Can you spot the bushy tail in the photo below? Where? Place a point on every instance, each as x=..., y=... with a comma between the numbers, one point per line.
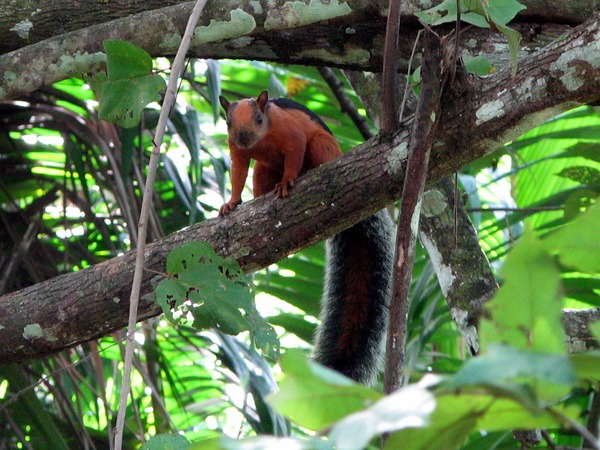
x=354, y=309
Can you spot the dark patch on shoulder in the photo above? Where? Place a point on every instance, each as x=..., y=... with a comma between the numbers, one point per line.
x=286, y=103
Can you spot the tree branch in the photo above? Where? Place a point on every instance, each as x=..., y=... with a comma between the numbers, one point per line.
x=73, y=308
x=353, y=31
x=422, y=138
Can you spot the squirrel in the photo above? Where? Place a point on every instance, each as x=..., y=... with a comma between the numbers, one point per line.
x=286, y=139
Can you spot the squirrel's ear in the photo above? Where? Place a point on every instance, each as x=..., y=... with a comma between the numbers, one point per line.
x=262, y=100
x=224, y=103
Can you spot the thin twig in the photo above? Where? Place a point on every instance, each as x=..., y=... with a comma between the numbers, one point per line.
x=408, y=73
x=346, y=103
x=391, y=63
x=590, y=439
x=168, y=102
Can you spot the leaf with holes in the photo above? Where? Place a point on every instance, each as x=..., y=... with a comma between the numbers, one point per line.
x=215, y=292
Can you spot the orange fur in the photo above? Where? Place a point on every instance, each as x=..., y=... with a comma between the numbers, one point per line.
x=284, y=142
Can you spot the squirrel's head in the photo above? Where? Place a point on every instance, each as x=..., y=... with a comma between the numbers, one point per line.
x=247, y=120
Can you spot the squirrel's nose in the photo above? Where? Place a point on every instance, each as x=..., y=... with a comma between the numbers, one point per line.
x=244, y=138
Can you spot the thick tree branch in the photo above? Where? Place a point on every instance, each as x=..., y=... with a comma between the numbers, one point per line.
x=25, y=23
x=343, y=34
x=77, y=307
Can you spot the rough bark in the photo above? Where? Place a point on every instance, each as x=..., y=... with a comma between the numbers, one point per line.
x=343, y=34
x=24, y=23
x=463, y=271
x=77, y=307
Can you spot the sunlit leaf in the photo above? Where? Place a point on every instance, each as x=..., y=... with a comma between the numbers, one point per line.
x=409, y=407
x=216, y=293
x=315, y=397
x=167, y=442
x=577, y=243
x=526, y=311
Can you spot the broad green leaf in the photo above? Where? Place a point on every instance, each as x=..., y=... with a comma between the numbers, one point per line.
x=408, y=407
x=269, y=442
x=211, y=443
x=479, y=65
x=475, y=12
x=458, y=415
x=213, y=312
x=315, y=397
x=129, y=84
x=122, y=101
x=482, y=14
x=216, y=292
x=579, y=200
x=125, y=60
x=167, y=442
x=445, y=12
x=501, y=11
x=589, y=150
x=577, y=243
x=587, y=364
x=526, y=311
x=505, y=370
x=170, y=293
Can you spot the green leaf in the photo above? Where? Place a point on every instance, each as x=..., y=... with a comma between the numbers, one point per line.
x=475, y=12
x=526, y=311
x=167, y=442
x=514, y=39
x=216, y=292
x=126, y=60
x=595, y=329
x=213, y=312
x=581, y=174
x=211, y=443
x=579, y=201
x=577, y=243
x=445, y=12
x=505, y=370
x=481, y=14
x=588, y=150
x=458, y=415
x=269, y=442
x=129, y=84
x=479, y=65
x=408, y=407
x=500, y=12
x=122, y=101
x=587, y=364
x=213, y=81
x=315, y=397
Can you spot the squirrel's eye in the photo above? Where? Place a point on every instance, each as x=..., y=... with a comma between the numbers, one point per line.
x=259, y=119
